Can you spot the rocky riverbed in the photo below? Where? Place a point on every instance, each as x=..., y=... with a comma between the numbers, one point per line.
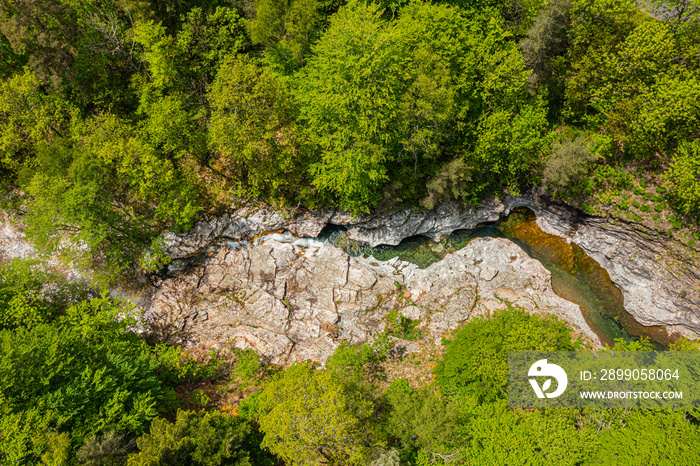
x=290, y=302
x=299, y=301
x=659, y=278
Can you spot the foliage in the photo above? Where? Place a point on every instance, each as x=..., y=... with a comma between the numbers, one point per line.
x=31, y=294
x=450, y=182
x=109, y=188
x=121, y=120
x=496, y=434
x=398, y=95
x=355, y=365
x=179, y=368
x=180, y=70
x=640, y=440
x=204, y=438
x=401, y=326
x=28, y=117
x=574, y=159
x=420, y=419
x=307, y=415
x=476, y=362
x=682, y=178
x=286, y=29
x=81, y=375
x=110, y=449
x=248, y=367
x=253, y=134
x=544, y=49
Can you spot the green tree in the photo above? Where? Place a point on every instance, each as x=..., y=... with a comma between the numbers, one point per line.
x=83, y=374
x=389, y=99
x=308, y=416
x=348, y=93
x=494, y=434
x=421, y=420
x=409, y=92
x=476, y=361
x=286, y=28
x=597, y=28
x=10, y=62
x=28, y=116
x=179, y=71
x=110, y=188
x=79, y=47
x=637, y=440
x=254, y=138
x=31, y=294
x=204, y=438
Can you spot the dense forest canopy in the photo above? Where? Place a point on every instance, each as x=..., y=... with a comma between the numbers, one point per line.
x=123, y=119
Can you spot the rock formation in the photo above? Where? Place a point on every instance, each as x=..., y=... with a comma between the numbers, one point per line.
x=294, y=303
x=659, y=280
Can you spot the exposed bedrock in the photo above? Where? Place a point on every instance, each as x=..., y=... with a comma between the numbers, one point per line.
x=294, y=303
x=659, y=278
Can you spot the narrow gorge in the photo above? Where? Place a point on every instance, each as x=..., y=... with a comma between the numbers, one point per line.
x=294, y=286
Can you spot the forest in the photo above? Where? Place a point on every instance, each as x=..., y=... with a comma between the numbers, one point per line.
x=124, y=119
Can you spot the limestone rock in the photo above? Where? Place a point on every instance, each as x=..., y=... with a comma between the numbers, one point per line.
x=244, y=223
x=292, y=303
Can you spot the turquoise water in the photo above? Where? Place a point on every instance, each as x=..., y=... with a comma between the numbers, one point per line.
x=575, y=276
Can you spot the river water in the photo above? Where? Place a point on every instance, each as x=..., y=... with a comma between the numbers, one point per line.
x=575, y=276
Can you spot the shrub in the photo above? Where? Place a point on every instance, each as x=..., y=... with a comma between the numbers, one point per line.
x=683, y=178
x=572, y=159
x=675, y=222
x=645, y=208
x=403, y=327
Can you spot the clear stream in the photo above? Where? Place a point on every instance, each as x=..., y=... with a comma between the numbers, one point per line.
x=575, y=276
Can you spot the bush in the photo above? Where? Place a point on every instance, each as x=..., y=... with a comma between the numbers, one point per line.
x=645, y=208
x=476, y=361
x=571, y=160
x=110, y=449
x=452, y=181
x=675, y=222
x=403, y=327
x=683, y=179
